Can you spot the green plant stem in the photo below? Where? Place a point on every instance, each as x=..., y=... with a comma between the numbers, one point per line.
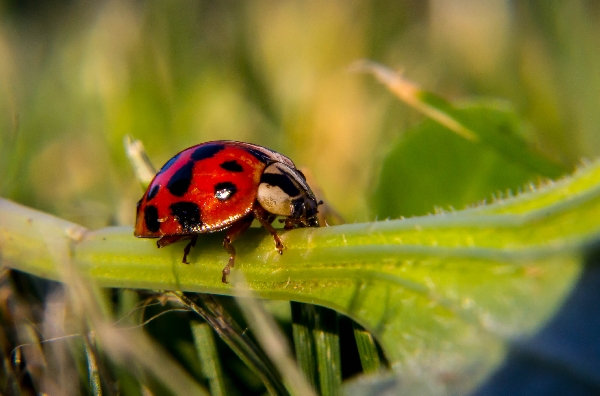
x=471, y=278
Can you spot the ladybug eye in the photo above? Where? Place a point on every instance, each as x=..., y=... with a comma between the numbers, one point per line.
x=298, y=208
x=224, y=191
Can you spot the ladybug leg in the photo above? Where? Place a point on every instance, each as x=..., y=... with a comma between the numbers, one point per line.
x=263, y=217
x=188, y=247
x=289, y=225
x=166, y=240
x=233, y=233
x=169, y=239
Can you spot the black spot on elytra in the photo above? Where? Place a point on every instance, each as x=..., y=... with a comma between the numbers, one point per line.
x=188, y=215
x=206, y=151
x=224, y=191
x=281, y=181
x=152, y=193
x=262, y=157
x=151, y=218
x=168, y=164
x=232, y=166
x=180, y=181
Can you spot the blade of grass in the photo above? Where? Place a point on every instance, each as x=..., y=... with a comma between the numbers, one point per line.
x=209, y=358
x=89, y=303
x=439, y=109
x=92, y=364
x=140, y=163
x=367, y=349
x=304, y=344
x=234, y=336
x=137, y=347
x=327, y=346
x=271, y=339
x=410, y=93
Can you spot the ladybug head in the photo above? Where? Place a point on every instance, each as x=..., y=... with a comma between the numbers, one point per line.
x=283, y=191
x=304, y=211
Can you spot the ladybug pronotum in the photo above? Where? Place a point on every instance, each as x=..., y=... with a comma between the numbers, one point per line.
x=224, y=185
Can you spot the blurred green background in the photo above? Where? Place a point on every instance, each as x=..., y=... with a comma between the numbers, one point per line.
x=76, y=76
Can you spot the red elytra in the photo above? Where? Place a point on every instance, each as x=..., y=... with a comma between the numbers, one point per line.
x=224, y=185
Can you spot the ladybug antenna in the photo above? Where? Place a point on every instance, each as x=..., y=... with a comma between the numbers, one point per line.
x=320, y=203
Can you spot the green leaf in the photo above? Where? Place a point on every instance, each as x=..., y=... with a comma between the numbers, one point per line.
x=458, y=156
x=443, y=294
x=430, y=167
x=499, y=130
x=496, y=133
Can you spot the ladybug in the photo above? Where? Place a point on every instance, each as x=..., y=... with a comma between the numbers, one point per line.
x=224, y=185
